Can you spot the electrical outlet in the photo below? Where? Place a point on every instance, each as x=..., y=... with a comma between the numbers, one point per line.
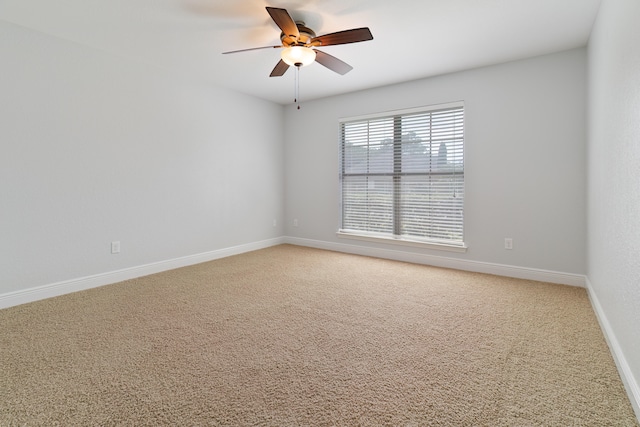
x=115, y=247
x=295, y=222
x=508, y=243
x=275, y=223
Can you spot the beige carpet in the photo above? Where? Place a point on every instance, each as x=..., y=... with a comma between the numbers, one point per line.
x=291, y=336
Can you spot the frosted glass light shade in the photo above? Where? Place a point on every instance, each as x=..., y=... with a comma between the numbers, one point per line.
x=298, y=56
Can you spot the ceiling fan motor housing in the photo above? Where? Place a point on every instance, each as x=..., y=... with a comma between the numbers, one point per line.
x=306, y=34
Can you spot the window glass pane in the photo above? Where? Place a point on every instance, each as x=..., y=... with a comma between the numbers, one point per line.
x=368, y=146
x=432, y=207
x=368, y=204
x=416, y=153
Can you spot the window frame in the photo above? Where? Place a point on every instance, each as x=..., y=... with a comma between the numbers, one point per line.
x=405, y=240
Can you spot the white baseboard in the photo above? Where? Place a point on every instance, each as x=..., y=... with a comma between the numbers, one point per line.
x=630, y=383
x=447, y=262
x=60, y=288
x=11, y=299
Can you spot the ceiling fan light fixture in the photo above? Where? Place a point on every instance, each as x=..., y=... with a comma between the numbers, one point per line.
x=298, y=56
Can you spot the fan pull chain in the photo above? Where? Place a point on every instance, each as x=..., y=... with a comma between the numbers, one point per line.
x=297, y=95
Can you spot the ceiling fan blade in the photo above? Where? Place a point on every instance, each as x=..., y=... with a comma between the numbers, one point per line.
x=332, y=63
x=280, y=68
x=253, y=48
x=343, y=37
x=283, y=20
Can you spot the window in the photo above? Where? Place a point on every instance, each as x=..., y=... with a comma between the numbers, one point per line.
x=402, y=175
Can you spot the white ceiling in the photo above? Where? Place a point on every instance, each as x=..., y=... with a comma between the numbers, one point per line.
x=412, y=38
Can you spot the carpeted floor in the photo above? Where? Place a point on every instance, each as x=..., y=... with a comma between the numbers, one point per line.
x=292, y=336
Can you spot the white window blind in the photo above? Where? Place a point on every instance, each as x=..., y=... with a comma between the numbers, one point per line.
x=402, y=175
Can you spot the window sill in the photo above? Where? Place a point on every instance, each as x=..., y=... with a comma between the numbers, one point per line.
x=404, y=242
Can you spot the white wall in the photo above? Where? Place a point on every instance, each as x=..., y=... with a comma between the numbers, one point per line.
x=96, y=148
x=525, y=160
x=614, y=181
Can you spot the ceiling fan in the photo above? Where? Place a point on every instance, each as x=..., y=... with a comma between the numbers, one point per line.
x=299, y=44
